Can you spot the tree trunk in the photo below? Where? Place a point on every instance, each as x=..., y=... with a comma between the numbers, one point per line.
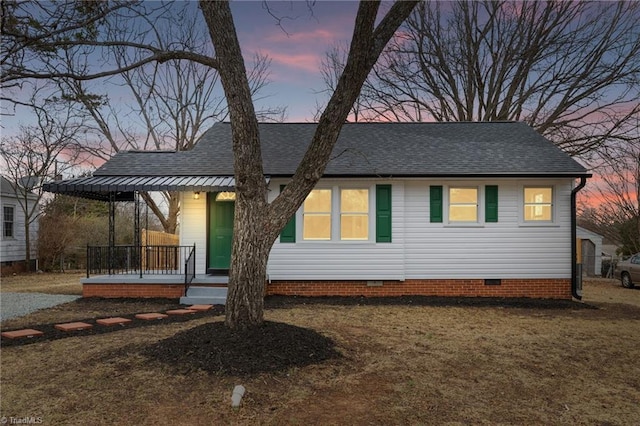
x=248, y=271
x=170, y=221
x=27, y=245
x=257, y=223
x=174, y=209
x=250, y=243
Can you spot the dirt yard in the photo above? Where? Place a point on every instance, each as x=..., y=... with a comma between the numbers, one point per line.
x=396, y=364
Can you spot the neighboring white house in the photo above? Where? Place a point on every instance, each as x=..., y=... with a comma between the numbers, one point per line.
x=447, y=209
x=591, y=252
x=13, y=240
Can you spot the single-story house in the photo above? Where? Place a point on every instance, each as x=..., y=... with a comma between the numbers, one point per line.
x=591, y=252
x=446, y=209
x=13, y=241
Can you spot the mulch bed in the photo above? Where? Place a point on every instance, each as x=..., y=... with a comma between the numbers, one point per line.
x=216, y=349
x=274, y=302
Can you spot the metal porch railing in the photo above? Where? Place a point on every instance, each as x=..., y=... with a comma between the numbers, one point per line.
x=189, y=268
x=145, y=260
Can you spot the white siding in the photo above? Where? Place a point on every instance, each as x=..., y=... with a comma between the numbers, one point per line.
x=346, y=260
x=419, y=249
x=14, y=249
x=193, y=226
x=506, y=249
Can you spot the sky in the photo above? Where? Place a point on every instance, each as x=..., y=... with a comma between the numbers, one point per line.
x=295, y=48
x=295, y=45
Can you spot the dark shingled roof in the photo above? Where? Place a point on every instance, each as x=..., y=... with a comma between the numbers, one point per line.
x=460, y=149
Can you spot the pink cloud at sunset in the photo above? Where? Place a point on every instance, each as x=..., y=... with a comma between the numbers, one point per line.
x=316, y=36
x=304, y=62
x=295, y=45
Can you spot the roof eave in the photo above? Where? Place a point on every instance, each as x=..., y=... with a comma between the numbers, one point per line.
x=448, y=175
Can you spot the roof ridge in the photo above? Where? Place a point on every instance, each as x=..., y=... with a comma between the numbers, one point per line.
x=413, y=123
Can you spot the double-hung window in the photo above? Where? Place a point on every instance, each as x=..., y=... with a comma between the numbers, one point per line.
x=8, y=221
x=463, y=204
x=354, y=214
x=538, y=204
x=345, y=214
x=316, y=214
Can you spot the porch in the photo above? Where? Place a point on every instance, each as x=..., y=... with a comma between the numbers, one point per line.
x=203, y=289
x=147, y=268
x=166, y=271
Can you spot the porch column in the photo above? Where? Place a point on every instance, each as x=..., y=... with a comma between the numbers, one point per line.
x=136, y=230
x=112, y=230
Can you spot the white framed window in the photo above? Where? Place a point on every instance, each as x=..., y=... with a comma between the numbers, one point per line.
x=463, y=204
x=354, y=214
x=8, y=221
x=316, y=215
x=338, y=214
x=538, y=204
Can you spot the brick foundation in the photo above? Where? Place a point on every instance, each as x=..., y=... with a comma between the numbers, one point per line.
x=532, y=288
x=169, y=291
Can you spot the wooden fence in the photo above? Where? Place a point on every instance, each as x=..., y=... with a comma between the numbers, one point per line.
x=156, y=254
x=156, y=238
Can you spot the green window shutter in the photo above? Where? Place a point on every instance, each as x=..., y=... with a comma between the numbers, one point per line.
x=383, y=213
x=435, y=200
x=491, y=203
x=288, y=234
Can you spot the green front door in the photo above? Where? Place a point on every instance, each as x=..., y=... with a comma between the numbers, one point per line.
x=220, y=232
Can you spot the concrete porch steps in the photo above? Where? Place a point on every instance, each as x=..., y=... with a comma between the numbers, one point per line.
x=205, y=296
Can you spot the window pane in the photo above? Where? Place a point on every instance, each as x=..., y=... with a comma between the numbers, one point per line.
x=463, y=195
x=538, y=195
x=354, y=227
x=463, y=204
x=354, y=200
x=317, y=227
x=8, y=222
x=318, y=201
x=226, y=196
x=8, y=214
x=538, y=204
x=537, y=212
x=463, y=213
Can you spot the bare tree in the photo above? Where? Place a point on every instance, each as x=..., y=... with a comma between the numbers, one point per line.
x=617, y=212
x=257, y=223
x=37, y=153
x=171, y=103
x=569, y=69
x=331, y=68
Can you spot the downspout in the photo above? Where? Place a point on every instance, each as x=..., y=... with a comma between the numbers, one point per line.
x=574, y=245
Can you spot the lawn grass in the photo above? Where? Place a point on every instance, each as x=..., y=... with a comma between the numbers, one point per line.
x=49, y=283
x=399, y=365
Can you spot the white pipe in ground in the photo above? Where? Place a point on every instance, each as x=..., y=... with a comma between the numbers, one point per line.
x=237, y=395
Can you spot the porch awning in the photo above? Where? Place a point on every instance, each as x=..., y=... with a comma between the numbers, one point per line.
x=99, y=187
